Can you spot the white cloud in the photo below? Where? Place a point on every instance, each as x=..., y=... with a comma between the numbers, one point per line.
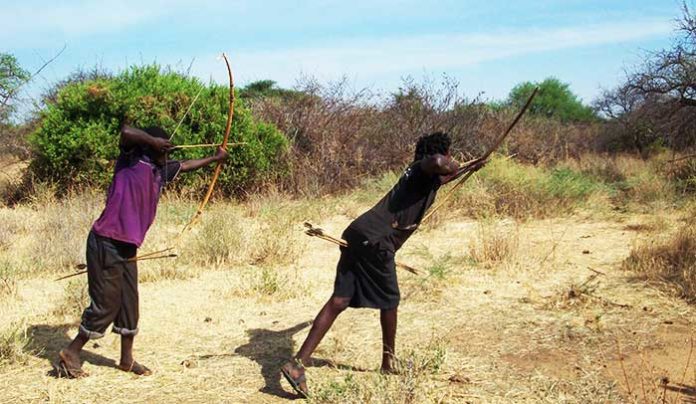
x=366, y=58
x=29, y=20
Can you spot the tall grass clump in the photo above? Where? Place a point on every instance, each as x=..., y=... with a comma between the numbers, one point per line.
x=46, y=234
x=263, y=233
x=683, y=175
x=63, y=227
x=669, y=263
x=221, y=238
x=276, y=239
x=14, y=343
x=263, y=283
x=8, y=279
x=508, y=188
x=630, y=180
x=495, y=244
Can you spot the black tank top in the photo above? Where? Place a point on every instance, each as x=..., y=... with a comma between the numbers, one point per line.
x=397, y=215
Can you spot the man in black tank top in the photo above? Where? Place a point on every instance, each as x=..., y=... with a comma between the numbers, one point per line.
x=366, y=273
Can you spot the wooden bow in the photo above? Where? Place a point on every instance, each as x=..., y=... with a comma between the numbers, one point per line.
x=218, y=168
x=485, y=156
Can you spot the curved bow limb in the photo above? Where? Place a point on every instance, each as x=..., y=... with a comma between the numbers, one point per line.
x=220, y=164
x=485, y=156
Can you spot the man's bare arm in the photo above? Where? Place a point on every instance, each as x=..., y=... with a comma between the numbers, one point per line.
x=437, y=164
x=131, y=136
x=474, y=165
x=190, y=165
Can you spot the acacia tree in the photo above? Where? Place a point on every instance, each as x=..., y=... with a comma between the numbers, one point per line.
x=657, y=102
x=555, y=100
x=12, y=76
x=12, y=136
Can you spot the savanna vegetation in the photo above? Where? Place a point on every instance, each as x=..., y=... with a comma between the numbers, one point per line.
x=562, y=272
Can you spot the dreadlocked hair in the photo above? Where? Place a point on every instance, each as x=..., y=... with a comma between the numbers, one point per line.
x=434, y=143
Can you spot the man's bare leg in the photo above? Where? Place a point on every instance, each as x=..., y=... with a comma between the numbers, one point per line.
x=127, y=350
x=387, y=319
x=128, y=364
x=294, y=370
x=324, y=321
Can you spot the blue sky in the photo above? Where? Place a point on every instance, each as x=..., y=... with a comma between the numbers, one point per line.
x=488, y=46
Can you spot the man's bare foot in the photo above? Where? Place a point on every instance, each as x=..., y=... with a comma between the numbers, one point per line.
x=69, y=365
x=390, y=366
x=388, y=371
x=294, y=373
x=135, y=368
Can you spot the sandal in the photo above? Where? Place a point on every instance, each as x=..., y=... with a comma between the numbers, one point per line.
x=136, y=368
x=299, y=384
x=67, y=370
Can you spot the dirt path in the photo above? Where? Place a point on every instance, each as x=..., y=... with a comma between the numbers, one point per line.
x=544, y=325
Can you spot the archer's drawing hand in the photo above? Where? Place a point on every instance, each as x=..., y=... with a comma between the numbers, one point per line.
x=161, y=145
x=221, y=154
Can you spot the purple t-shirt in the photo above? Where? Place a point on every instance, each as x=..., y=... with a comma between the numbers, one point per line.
x=131, y=203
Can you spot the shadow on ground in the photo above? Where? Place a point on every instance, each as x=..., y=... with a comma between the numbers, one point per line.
x=47, y=340
x=688, y=392
x=271, y=349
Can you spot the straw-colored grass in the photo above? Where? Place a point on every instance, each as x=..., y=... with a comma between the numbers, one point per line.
x=263, y=283
x=670, y=263
x=411, y=384
x=75, y=299
x=495, y=244
x=14, y=345
x=501, y=312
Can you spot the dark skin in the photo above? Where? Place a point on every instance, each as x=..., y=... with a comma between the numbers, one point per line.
x=448, y=170
x=135, y=137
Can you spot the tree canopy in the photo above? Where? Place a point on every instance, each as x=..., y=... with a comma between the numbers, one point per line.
x=554, y=100
x=12, y=76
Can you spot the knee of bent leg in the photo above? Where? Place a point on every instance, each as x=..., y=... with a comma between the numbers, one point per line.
x=339, y=303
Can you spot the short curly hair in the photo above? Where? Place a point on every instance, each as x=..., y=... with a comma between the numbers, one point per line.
x=434, y=143
x=156, y=131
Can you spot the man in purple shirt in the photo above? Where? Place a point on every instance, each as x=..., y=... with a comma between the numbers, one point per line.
x=142, y=170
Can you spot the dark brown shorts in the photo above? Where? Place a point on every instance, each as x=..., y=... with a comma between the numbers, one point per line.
x=113, y=288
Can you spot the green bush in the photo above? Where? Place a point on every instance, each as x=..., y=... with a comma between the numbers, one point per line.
x=77, y=141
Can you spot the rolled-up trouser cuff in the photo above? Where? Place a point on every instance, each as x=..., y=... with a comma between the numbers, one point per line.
x=90, y=334
x=124, y=331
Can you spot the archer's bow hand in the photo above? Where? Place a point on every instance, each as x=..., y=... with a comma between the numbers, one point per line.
x=221, y=155
x=475, y=165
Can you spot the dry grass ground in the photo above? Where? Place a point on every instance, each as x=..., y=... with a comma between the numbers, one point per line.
x=542, y=308
x=551, y=318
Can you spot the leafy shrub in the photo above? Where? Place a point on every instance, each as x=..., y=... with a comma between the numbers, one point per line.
x=77, y=140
